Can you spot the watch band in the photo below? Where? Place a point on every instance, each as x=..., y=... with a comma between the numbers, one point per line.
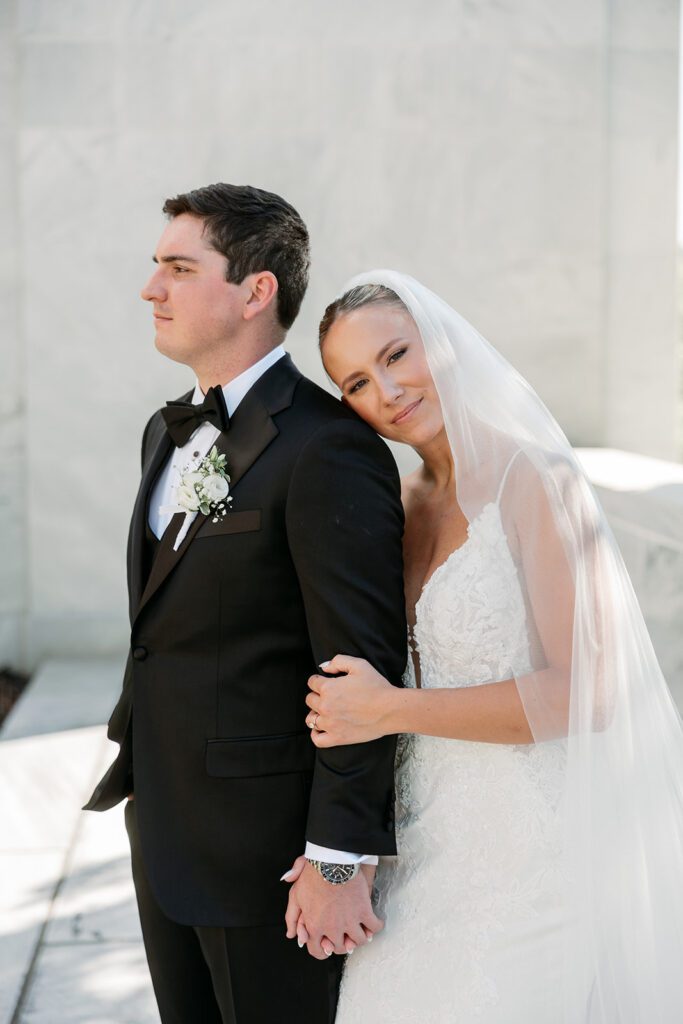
x=335, y=874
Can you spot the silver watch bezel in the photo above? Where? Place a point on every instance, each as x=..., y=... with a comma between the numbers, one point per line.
x=335, y=874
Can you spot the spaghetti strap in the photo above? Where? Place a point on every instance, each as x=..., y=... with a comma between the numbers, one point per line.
x=505, y=476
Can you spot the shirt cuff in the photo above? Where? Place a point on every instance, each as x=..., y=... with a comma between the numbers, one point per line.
x=323, y=853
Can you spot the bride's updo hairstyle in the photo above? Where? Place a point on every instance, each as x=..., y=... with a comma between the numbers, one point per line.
x=355, y=298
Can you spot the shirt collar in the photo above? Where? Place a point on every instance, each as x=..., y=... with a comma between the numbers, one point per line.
x=235, y=390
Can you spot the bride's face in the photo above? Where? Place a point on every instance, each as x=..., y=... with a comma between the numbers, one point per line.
x=376, y=358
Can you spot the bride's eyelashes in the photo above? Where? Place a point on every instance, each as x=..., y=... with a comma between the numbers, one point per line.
x=393, y=358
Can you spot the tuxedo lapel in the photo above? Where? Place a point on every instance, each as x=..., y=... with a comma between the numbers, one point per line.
x=251, y=430
x=161, y=446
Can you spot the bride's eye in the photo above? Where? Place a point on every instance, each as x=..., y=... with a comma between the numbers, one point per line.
x=357, y=386
x=396, y=355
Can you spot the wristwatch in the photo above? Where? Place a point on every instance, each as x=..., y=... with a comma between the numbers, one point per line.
x=336, y=874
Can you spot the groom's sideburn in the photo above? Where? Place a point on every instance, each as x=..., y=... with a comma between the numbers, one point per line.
x=225, y=632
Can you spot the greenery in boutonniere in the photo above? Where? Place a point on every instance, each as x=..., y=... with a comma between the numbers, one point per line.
x=205, y=487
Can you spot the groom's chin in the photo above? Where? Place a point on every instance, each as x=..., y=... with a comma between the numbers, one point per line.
x=166, y=347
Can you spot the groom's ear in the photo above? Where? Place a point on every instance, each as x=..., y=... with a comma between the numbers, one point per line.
x=263, y=291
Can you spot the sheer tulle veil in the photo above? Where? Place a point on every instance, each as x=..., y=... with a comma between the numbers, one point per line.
x=595, y=688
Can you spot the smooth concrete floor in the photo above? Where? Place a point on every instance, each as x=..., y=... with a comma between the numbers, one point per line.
x=70, y=945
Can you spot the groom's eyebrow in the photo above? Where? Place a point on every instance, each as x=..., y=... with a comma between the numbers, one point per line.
x=382, y=351
x=175, y=259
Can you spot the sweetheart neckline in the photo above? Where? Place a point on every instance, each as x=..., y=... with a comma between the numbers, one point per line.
x=454, y=552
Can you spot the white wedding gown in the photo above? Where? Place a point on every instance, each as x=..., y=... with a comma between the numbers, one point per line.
x=475, y=905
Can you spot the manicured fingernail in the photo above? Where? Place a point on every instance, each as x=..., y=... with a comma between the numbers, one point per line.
x=330, y=953
x=300, y=944
x=349, y=951
x=323, y=664
x=370, y=938
x=287, y=875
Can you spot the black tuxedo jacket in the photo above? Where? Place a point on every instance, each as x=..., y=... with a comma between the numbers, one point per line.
x=224, y=634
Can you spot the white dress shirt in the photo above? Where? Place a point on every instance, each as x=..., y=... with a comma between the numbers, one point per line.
x=199, y=444
x=163, y=495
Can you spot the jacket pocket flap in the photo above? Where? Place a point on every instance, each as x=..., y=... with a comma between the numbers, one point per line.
x=232, y=522
x=242, y=758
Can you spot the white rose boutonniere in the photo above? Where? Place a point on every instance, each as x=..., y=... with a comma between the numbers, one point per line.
x=203, y=487
x=215, y=487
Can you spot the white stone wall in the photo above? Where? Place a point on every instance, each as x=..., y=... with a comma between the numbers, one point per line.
x=13, y=422
x=518, y=157
x=639, y=374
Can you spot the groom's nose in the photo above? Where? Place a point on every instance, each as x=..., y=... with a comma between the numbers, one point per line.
x=154, y=291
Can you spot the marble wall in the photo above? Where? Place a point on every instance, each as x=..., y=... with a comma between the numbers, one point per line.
x=13, y=421
x=518, y=157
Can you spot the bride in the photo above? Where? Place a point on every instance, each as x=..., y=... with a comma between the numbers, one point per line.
x=539, y=777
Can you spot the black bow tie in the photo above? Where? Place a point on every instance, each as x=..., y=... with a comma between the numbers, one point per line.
x=183, y=418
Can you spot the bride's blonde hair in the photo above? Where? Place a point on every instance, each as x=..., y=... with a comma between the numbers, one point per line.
x=355, y=298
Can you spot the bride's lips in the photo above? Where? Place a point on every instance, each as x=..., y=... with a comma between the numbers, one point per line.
x=159, y=318
x=406, y=413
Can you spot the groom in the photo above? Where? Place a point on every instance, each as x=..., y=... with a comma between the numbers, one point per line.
x=230, y=612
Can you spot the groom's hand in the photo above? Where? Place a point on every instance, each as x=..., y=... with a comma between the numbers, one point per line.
x=331, y=912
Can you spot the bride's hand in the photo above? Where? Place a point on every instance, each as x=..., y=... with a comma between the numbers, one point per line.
x=296, y=927
x=350, y=709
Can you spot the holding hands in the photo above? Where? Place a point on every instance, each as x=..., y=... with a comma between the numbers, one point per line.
x=353, y=708
x=330, y=918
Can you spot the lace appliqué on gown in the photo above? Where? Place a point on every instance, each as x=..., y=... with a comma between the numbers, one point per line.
x=473, y=903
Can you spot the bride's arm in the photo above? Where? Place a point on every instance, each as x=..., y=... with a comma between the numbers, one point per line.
x=491, y=713
x=361, y=705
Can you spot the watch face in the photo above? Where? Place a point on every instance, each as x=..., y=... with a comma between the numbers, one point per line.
x=337, y=874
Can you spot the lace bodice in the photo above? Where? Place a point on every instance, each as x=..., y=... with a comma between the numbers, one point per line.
x=470, y=618
x=478, y=823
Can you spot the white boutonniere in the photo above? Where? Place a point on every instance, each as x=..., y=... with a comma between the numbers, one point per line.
x=204, y=487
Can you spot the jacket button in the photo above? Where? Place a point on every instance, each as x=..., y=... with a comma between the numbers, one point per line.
x=139, y=653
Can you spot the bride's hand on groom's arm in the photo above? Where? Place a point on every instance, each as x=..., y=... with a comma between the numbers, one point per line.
x=353, y=708
x=329, y=918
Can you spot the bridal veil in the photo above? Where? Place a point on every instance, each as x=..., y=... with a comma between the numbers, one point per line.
x=596, y=688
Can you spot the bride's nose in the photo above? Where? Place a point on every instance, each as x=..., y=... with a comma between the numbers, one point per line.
x=389, y=391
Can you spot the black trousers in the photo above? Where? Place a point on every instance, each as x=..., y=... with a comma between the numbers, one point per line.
x=229, y=975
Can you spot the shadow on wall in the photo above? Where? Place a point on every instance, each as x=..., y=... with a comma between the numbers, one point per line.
x=12, y=685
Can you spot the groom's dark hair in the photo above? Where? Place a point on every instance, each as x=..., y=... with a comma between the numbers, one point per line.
x=254, y=230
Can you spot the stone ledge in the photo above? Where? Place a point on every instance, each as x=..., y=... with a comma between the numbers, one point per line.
x=65, y=695
x=643, y=492
x=643, y=500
